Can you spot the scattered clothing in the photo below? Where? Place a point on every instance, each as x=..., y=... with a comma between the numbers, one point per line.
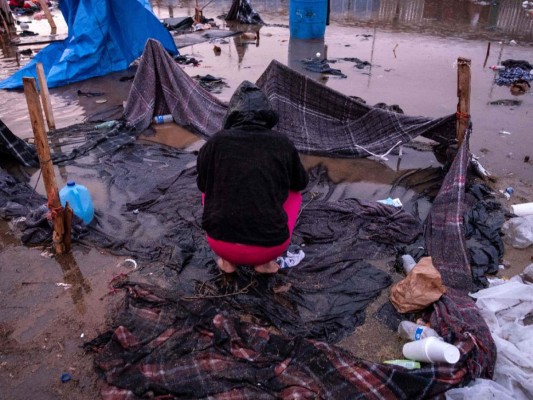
x=321, y=66
x=292, y=258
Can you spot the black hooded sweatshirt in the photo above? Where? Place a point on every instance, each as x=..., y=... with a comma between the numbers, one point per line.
x=246, y=171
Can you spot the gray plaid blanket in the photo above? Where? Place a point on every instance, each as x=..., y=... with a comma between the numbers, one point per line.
x=318, y=119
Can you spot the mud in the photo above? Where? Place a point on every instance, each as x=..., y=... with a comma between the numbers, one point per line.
x=412, y=46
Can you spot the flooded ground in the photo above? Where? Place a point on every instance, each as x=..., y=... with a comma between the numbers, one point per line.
x=412, y=46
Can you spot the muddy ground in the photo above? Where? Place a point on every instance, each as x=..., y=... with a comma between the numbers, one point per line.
x=49, y=306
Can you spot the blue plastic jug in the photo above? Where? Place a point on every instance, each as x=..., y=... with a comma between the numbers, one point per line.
x=79, y=199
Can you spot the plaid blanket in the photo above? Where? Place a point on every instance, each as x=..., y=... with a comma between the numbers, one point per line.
x=167, y=346
x=306, y=109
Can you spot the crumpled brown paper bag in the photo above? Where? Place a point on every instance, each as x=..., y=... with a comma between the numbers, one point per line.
x=421, y=288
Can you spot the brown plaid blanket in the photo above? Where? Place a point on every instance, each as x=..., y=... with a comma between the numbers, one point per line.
x=306, y=110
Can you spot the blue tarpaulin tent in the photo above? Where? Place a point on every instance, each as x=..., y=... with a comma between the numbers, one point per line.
x=103, y=36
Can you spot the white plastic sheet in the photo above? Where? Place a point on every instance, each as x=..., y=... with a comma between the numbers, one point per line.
x=505, y=307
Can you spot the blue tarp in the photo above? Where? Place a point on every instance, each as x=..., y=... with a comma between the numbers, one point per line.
x=103, y=36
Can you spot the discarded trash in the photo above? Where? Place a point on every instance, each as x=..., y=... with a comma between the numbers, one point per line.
x=217, y=50
x=431, y=350
x=411, y=331
x=293, y=257
x=408, y=263
x=422, y=287
x=79, y=199
x=522, y=210
x=513, y=42
x=502, y=132
x=391, y=202
x=132, y=261
x=162, y=119
x=518, y=232
x=106, y=125
x=90, y=94
x=480, y=170
x=409, y=364
x=497, y=67
x=65, y=377
x=136, y=211
x=507, y=192
x=481, y=389
x=47, y=254
x=64, y=285
x=506, y=102
x=100, y=101
x=82, y=335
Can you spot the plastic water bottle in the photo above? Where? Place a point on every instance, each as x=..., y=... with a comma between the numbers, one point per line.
x=162, y=119
x=79, y=199
x=411, y=331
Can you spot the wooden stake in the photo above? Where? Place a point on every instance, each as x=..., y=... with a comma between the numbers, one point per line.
x=45, y=97
x=487, y=55
x=47, y=168
x=44, y=7
x=68, y=227
x=463, y=93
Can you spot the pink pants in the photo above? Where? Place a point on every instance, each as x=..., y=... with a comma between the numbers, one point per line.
x=244, y=254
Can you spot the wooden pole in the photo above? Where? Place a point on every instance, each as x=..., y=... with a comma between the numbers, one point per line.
x=47, y=168
x=45, y=97
x=44, y=7
x=463, y=94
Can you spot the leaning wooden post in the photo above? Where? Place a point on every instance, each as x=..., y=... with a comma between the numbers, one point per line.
x=463, y=94
x=46, y=10
x=45, y=97
x=47, y=167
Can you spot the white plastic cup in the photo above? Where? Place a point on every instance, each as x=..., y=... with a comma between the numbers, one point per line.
x=431, y=349
x=522, y=210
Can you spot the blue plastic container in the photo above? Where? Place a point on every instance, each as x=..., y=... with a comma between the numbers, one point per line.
x=79, y=199
x=307, y=18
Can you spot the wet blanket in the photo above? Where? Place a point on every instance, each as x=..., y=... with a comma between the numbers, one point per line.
x=306, y=109
x=167, y=343
x=243, y=12
x=14, y=147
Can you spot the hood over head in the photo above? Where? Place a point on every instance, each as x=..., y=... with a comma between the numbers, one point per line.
x=249, y=106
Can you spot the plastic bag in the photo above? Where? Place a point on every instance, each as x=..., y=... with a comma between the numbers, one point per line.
x=480, y=389
x=519, y=232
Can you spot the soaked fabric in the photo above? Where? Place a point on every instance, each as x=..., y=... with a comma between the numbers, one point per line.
x=305, y=107
x=13, y=146
x=483, y=222
x=322, y=67
x=166, y=342
x=243, y=12
x=512, y=75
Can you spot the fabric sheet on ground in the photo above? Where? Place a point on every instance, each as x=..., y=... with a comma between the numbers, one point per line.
x=197, y=341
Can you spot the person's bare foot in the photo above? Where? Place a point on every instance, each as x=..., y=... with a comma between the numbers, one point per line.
x=226, y=266
x=269, y=268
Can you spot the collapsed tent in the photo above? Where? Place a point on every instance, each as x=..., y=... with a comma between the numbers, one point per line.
x=185, y=329
x=305, y=108
x=103, y=36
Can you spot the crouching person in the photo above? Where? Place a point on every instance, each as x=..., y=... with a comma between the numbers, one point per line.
x=250, y=177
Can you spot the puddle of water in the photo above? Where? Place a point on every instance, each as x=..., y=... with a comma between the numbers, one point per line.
x=409, y=43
